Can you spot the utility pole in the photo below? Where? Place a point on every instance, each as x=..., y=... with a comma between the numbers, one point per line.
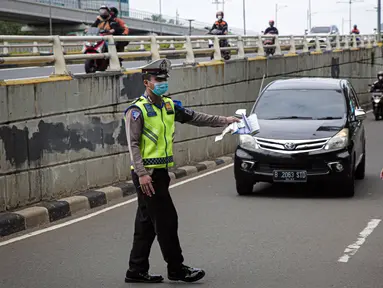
x=277, y=8
x=379, y=20
x=160, y=17
x=309, y=15
x=217, y=2
x=350, y=2
x=50, y=17
x=244, y=17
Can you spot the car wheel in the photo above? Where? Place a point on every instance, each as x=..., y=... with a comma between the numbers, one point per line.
x=361, y=170
x=244, y=188
x=348, y=186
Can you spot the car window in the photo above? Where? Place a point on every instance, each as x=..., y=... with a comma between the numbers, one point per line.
x=311, y=104
x=351, y=102
x=353, y=95
x=320, y=30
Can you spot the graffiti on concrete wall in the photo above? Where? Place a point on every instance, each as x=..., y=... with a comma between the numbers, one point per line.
x=335, y=68
x=131, y=86
x=58, y=138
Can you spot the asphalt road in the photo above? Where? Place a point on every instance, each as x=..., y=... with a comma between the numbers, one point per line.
x=31, y=72
x=279, y=237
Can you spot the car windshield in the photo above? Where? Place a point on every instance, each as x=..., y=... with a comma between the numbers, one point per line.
x=301, y=104
x=320, y=30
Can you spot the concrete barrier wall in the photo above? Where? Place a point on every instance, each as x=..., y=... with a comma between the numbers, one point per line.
x=60, y=136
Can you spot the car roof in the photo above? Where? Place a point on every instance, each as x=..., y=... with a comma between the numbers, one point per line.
x=306, y=84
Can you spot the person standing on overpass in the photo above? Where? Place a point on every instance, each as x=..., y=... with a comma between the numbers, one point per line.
x=150, y=124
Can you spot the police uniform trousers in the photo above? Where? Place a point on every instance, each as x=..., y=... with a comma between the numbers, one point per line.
x=156, y=216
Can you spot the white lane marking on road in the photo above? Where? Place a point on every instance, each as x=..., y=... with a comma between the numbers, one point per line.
x=61, y=225
x=353, y=248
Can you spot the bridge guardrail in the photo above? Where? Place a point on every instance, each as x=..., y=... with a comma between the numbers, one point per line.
x=189, y=47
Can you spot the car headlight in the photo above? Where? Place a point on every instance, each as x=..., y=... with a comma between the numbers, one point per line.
x=339, y=141
x=248, y=142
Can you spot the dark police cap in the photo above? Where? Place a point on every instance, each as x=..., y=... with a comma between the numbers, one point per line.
x=158, y=68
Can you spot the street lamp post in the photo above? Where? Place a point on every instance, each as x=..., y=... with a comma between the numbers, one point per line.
x=190, y=26
x=244, y=17
x=350, y=2
x=277, y=8
x=379, y=19
x=309, y=15
x=50, y=17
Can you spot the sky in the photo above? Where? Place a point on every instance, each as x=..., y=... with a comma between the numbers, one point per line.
x=291, y=19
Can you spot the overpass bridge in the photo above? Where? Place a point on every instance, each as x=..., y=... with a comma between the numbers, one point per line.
x=56, y=132
x=69, y=16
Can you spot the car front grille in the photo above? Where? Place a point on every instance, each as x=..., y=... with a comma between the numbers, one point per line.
x=309, y=167
x=292, y=146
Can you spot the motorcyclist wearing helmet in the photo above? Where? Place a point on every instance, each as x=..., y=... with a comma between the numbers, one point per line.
x=120, y=46
x=271, y=29
x=355, y=30
x=378, y=85
x=114, y=13
x=220, y=24
x=106, y=21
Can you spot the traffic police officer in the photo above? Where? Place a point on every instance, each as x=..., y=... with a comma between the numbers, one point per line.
x=150, y=124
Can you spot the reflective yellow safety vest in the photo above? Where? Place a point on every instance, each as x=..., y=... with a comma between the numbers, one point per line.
x=156, y=143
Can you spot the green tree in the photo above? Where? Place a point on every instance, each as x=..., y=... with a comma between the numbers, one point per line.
x=10, y=28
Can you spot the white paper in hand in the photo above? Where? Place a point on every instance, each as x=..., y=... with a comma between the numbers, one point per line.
x=225, y=131
x=253, y=123
x=248, y=125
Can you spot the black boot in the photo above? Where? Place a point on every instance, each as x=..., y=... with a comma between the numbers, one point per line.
x=186, y=274
x=145, y=277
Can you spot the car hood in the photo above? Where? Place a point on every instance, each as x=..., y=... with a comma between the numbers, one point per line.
x=296, y=129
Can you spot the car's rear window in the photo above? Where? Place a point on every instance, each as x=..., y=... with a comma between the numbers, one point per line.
x=319, y=30
x=315, y=104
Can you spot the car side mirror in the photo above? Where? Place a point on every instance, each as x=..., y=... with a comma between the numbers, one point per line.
x=240, y=112
x=360, y=114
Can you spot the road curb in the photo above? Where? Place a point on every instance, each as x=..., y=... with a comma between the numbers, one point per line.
x=51, y=211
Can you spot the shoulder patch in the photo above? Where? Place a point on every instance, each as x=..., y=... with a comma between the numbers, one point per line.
x=169, y=108
x=135, y=114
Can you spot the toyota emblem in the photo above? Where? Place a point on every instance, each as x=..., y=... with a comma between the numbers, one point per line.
x=290, y=146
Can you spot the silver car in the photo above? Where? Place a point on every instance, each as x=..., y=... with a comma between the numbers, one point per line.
x=322, y=32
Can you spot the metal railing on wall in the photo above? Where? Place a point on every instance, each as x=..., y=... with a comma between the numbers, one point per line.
x=59, y=50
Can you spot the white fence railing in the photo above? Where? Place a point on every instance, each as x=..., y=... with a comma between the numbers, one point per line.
x=63, y=48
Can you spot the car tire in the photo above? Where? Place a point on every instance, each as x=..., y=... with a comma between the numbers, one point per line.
x=361, y=169
x=244, y=188
x=348, y=186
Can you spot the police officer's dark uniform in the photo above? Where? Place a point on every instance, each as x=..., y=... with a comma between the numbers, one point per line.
x=378, y=85
x=150, y=132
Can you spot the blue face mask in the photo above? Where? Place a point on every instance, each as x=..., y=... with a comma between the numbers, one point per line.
x=160, y=88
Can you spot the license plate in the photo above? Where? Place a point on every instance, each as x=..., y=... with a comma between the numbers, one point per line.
x=289, y=176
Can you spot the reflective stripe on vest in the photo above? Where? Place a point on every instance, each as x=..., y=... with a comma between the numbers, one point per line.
x=156, y=142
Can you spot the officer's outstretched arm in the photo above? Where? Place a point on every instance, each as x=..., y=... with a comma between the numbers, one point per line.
x=133, y=127
x=184, y=115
